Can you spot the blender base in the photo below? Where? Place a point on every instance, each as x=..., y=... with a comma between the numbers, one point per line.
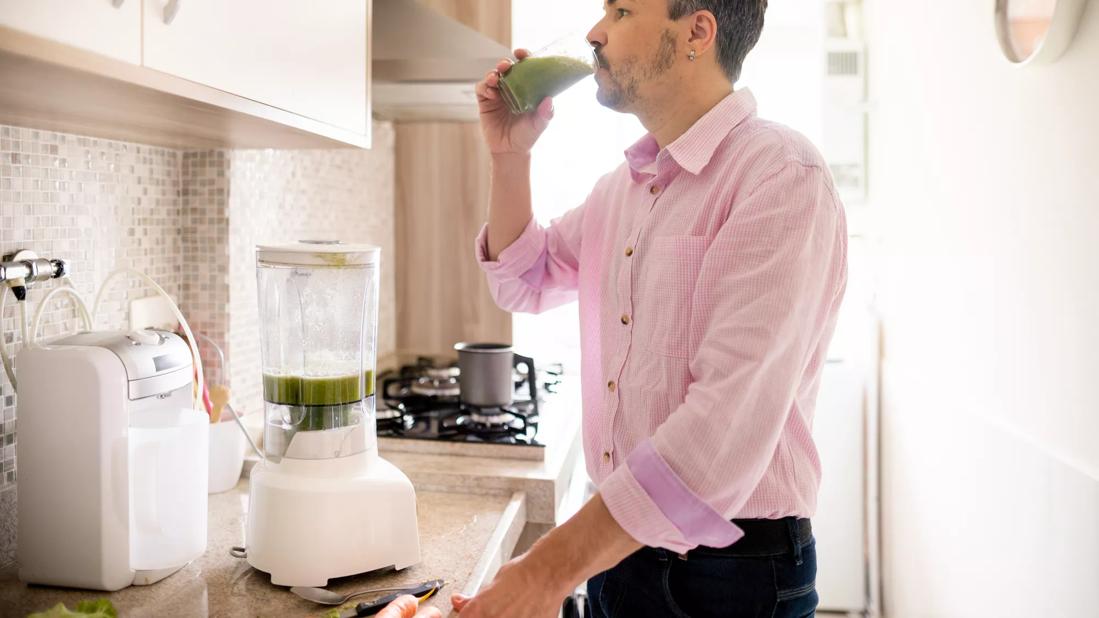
x=313, y=520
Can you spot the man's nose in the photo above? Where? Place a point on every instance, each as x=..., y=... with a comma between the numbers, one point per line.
x=597, y=36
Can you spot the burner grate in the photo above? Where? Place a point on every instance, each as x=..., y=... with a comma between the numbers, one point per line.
x=422, y=401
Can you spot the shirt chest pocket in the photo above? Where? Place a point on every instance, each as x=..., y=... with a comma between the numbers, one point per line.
x=665, y=291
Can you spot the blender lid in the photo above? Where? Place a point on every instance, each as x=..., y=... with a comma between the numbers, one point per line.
x=319, y=253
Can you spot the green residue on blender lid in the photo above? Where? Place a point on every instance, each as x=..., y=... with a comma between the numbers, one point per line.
x=532, y=79
x=296, y=390
x=333, y=259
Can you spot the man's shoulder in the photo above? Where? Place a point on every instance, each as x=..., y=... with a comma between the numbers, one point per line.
x=765, y=146
x=615, y=180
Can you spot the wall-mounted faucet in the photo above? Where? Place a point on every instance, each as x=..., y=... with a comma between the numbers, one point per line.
x=24, y=268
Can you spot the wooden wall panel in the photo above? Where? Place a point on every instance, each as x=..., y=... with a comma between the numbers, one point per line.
x=442, y=184
x=441, y=198
x=489, y=17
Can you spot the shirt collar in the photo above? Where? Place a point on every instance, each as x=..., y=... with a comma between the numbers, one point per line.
x=693, y=150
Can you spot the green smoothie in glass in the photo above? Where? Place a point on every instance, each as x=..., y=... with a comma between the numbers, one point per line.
x=534, y=78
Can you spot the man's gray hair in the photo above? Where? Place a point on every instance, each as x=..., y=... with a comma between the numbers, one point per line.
x=739, y=23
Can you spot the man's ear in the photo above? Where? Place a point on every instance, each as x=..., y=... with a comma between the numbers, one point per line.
x=703, y=33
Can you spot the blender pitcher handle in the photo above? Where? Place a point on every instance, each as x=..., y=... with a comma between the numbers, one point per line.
x=532, y=377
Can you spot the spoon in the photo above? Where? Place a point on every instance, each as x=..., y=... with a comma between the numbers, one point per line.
x=327, y=597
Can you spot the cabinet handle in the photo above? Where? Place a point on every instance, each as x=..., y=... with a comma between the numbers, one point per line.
x=170, y=11
x=117, y=3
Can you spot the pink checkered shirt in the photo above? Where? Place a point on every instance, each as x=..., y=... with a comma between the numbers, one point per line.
x=709, y=276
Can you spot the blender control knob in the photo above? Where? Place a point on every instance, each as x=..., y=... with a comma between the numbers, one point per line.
x=143, y=337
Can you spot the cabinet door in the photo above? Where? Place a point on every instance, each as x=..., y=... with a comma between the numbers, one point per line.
x=108, y=27
x=309, y=58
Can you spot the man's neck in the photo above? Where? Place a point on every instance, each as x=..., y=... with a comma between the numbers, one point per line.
x=680, y=112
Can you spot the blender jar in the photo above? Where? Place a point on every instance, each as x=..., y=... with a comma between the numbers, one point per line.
x=318, y=312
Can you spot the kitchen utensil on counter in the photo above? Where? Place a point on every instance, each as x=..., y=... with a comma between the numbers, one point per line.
x=422, y=593
x=226, y=456
x=112, y=460
x=323, y=504
x=487, y=373
x=219, y=396
x=226, y=439
x=324, y=596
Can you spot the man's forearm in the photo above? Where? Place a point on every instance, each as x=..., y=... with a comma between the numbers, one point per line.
x=509, y=208
x=587, y=544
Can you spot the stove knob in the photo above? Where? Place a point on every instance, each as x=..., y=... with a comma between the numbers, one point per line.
x=143, y=337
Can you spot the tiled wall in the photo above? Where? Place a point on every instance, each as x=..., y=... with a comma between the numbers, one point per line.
x=189, y=220
x=205, y=206
x=235, y=200
x=100, y=204
x=293, y=195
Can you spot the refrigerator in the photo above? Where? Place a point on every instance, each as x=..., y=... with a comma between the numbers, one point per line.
x=845, y=430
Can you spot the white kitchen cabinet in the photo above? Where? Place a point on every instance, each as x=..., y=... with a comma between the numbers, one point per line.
x=108, y=27
x=307, y=58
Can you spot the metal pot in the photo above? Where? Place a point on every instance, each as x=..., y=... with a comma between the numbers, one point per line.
x=487, y=377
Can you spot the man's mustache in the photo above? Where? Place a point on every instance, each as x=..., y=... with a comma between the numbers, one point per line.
x=600, y=61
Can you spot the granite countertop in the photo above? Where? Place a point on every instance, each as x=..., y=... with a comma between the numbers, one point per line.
x=463, y=538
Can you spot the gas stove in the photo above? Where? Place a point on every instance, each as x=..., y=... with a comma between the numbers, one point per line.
x=420, y=401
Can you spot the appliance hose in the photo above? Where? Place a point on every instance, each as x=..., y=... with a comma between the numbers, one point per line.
x=191, y=341
x=77, y=299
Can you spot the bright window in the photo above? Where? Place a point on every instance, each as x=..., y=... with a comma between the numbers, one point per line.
x=585, y=140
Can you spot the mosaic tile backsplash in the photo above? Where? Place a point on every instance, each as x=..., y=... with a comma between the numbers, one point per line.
x=189, y=219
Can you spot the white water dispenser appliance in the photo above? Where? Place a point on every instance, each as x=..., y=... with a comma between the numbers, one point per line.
x=112, y=460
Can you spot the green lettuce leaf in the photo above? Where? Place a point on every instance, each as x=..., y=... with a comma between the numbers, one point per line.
x=100, y=608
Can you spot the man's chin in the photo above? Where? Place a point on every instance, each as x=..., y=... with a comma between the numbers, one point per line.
x=608, y=98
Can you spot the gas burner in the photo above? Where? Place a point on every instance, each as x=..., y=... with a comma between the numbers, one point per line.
x=432, y=386
x=393, y=422
x=417, y=383
x=412, y=394
x=388, y=414
x=508, y=425
x=491, y=417
x=441, y=373
x=422, y=401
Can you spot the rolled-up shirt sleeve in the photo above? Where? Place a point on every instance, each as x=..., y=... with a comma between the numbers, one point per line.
x=763, y=299
x=540, y=269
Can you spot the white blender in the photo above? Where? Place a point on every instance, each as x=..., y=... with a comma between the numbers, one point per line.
x=323, y=504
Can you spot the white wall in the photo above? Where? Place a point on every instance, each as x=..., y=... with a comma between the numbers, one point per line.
x=986, y=181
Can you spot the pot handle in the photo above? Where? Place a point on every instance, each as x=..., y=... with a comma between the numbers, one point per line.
x=532, y=377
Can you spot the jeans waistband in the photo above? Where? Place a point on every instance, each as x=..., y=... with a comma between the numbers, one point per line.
x=762, y=537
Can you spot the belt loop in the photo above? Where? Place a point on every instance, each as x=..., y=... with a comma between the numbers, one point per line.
x=794, y=528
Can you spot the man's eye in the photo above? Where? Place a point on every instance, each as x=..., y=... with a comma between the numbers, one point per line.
x=622, y=13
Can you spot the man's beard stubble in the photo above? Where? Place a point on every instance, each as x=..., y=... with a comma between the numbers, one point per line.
x=621, y=90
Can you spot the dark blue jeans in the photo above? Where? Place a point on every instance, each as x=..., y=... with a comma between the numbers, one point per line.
x=658, y=583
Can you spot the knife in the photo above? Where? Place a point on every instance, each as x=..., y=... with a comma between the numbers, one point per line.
x=368, y=608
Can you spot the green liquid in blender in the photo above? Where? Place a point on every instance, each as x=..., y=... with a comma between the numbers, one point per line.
x=322, y=399
x=532, y=79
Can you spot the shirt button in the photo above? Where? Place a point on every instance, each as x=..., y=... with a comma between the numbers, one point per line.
x=625, y=319
x=611, y=386
x=654, y=189
x=606, y=457
x=629, y=251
